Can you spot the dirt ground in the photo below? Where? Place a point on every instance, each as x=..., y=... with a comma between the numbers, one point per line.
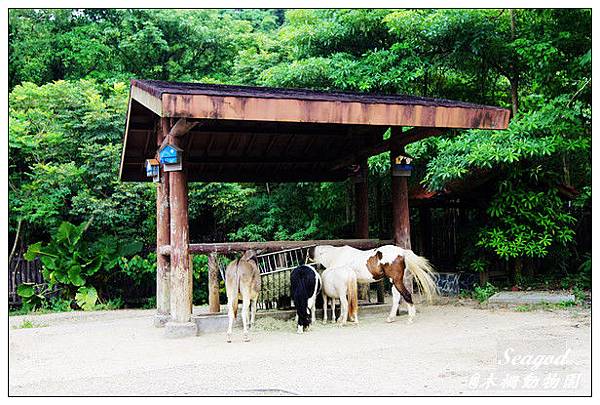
x=449, y=350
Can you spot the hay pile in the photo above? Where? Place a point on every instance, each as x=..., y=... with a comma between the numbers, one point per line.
x=269, y=324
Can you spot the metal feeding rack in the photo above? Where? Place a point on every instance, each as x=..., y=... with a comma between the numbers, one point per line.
x=275, y=269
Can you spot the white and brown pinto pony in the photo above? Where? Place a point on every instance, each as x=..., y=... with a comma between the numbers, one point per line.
x=242, y=280
x=340, y=283
x=386, y=261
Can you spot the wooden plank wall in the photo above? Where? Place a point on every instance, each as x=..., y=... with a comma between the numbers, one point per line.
x=22, y=271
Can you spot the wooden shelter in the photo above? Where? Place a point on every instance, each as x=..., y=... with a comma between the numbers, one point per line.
x=253, y=134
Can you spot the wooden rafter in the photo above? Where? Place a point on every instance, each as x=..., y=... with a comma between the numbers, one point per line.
x=407, y=137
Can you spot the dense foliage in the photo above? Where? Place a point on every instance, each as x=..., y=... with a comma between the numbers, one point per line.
x=69, y=72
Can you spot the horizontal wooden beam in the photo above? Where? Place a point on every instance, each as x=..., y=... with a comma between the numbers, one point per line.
x=243, y=161
x=412, y=135
x=273, y=246
x=271, y=174
x=204, y=106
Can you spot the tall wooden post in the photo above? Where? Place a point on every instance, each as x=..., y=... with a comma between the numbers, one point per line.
x=181, y=269
x=361, y=194
x=214, y=305
x=425, y=222
x=400, y=209
x=361, y=217
x=163, y=237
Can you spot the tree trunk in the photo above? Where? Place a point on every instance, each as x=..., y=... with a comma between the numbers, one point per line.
x=518, y=271
x=17, y=236
x=514, y=79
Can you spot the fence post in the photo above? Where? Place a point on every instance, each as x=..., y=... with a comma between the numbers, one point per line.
x=213, y=284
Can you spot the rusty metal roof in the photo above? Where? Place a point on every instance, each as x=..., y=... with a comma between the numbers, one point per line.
x=254, y=134
x=157, y=88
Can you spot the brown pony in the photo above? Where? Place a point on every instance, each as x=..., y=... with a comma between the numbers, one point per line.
x=387, y=261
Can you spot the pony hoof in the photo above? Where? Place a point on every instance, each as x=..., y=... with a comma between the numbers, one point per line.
x=246, y=338
x=410, y=320
x=228, y=338
x=389, y=320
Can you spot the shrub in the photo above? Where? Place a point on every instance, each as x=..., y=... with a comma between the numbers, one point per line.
x=70, y=261
x=482, y=294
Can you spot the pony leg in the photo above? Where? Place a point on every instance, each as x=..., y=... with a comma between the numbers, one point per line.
x=311, y=306
x=333, y=310
x=300, y=327
x=252, y=312
x=324, y=307
x=231, y=316
x=343, y=309
x=399, y=286
x=411, y=312
x=245, y=306
x=395, y=303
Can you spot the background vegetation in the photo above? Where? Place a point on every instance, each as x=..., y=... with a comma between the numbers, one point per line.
x=68, y=78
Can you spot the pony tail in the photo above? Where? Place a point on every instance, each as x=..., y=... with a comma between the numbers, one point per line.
x=352, y=296
x=424, y=274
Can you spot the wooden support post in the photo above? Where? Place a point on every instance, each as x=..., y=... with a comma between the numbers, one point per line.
x=214, y=305
x=181, y=269
x=361, y=218
x=361, y=193
x=163, y=275
x=425, y=223
x=380, y=285
x=400, y=209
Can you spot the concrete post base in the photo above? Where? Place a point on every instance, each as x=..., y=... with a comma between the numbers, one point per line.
x=180, y=329
x=160, y=320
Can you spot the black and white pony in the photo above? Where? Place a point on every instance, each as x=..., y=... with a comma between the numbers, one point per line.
x=305, y=283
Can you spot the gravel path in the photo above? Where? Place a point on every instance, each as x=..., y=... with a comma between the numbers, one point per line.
x=449, y=350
